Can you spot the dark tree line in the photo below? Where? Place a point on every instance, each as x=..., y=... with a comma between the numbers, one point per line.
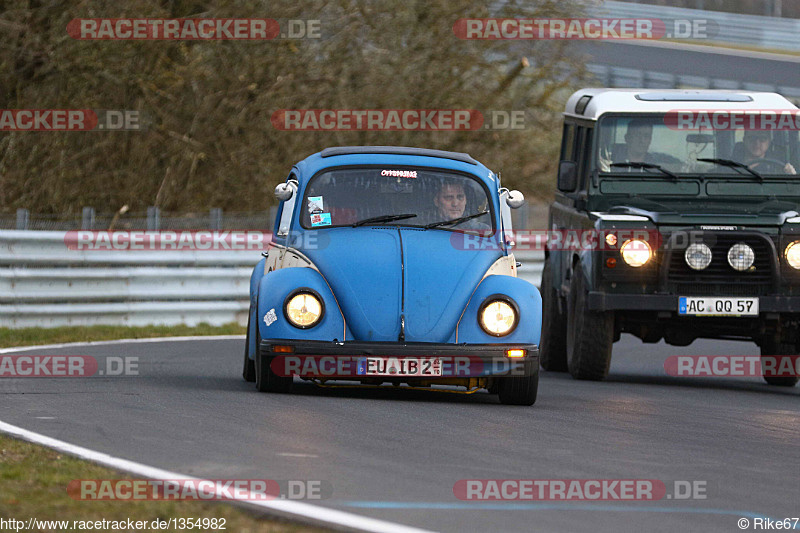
x=209, y=141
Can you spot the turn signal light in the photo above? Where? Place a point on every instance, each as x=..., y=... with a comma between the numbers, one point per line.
x=282, y=348
x=515, y=353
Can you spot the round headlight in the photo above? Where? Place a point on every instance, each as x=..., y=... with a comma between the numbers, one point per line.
x=498, y=317
x=636, y=252
x=741, y=256
x=303, y=309
x=792, y=255
x=698, y=256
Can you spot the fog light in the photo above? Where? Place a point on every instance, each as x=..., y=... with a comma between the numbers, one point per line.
x=515, y=353
x=741, y=257
x=698, y=256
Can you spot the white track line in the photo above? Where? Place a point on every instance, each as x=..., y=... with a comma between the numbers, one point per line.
x=289, y=508
x=123, y=341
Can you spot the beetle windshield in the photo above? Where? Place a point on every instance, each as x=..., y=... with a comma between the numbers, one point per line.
x=399, y=196
x=690, y=143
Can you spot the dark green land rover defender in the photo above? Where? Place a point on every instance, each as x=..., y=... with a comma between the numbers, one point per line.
x=691, y=202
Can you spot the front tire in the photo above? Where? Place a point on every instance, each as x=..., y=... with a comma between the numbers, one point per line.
x=553, y=345
x=266, y=379
x=774, y=346
x=590, y=334
x=519, y=390
x=249, y=366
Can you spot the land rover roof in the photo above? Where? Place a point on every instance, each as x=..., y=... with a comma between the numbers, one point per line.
x=592, y=103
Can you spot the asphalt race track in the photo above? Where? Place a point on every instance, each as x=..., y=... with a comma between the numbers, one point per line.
x=395, y=455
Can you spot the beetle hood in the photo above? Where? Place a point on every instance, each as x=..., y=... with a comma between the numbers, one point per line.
x=379, y=274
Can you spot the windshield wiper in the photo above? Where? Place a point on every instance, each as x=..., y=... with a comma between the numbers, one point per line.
x=455, y=220
x=383, y=218
x=730, y=163
x=646, y=166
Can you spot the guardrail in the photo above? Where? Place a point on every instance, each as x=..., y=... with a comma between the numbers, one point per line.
x=732, y=28
x=44, y=283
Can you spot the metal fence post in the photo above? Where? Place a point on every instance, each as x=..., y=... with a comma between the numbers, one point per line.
x=23, y=218
x=87, y=218
x=216, y=219
x=153, y=218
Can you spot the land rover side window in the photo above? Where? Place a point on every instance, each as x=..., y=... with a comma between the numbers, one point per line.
x=583, y=154
x=568, y=143
x=374, y=195
x=656, y=140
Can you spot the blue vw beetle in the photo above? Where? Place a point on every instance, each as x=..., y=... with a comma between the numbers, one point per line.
x=392, y=265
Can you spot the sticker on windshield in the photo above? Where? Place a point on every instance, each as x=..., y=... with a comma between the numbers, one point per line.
x=321, y=219
x=399, y=173
x=315, y=204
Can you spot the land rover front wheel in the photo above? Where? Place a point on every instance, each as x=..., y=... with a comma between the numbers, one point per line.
x=553, y=346
x=773, y=346
x=590, y=334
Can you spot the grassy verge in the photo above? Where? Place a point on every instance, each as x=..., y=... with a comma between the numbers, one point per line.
x=32, y=336
x=33, y=481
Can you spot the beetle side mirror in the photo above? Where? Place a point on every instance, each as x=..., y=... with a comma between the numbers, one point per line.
x=515, y=199
x=284, y=191
x=567, y=176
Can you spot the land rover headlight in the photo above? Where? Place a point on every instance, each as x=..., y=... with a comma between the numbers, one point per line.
x=792, y=255
x=303, y=309
x=698, y=256
x=636, y=252
x=741, y=257
x=498, y=316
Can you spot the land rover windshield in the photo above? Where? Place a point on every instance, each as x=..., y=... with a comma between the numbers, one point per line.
x=663, y=146
x=396, y=195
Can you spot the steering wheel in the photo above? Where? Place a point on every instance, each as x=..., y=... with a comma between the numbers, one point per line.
x=770, y=166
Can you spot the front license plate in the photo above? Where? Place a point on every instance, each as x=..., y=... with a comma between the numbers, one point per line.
x=712, y=306
x=397, y=366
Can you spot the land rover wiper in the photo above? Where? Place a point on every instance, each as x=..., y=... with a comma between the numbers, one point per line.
x=455, y=220
x=731, y=164
x=383, y=218
x=646, y=166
